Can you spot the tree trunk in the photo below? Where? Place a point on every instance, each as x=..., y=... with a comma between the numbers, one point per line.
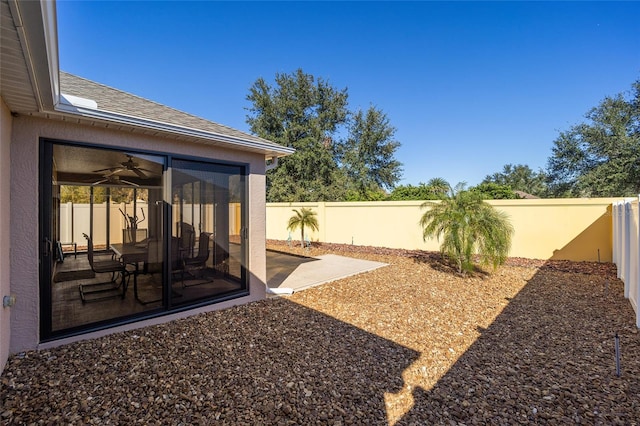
x=302, y=240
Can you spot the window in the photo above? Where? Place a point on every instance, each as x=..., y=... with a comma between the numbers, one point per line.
x=148, y=250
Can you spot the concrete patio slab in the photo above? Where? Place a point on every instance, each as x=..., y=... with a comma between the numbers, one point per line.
x=289, y=272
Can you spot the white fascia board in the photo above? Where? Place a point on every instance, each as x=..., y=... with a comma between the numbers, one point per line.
x=29, y=20
x=35, y=23
x=269, y=149
x=50, y=23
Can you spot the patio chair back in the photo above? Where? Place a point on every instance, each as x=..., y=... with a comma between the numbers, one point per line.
x=89, y=249
x=102, y=266
x=187, y=237
x=203, y=251
x=97, y=291
x=176, y=261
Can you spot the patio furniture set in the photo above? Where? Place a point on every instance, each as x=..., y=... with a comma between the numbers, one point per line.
x=186, y=262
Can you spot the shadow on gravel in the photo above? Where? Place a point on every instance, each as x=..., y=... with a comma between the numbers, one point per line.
x=270, y=362
x=549, y=357
x=439, y=263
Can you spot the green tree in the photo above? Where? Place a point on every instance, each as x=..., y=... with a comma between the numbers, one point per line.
x=411, y=192
x=468, y=226
x=82, y=194
x=439, y=187
x=494, y=191
x=434, y=189
x=520, y=177
x=304, y=113
x=368, y=153
x=371, y=194
x=600, y=158
x=301, y=219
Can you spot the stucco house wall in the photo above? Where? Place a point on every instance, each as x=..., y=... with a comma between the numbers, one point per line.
x=5, y=241
x=27, y=132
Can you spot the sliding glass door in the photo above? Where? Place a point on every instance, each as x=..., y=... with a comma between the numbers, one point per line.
x=208, y=207
x=95, y=201
x=129, y=235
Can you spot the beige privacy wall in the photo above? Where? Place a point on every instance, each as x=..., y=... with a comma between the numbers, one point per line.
x=572, y=229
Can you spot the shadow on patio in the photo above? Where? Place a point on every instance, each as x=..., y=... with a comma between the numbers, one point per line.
x=294, y=272
x=280, y=265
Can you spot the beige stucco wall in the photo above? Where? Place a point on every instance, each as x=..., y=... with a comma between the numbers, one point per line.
x=573, y=229
x=561, y=229
x=5, y=242
x=24, y=216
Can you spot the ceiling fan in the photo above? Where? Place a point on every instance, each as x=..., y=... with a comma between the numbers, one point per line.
x=128, y=165
x=115, y=180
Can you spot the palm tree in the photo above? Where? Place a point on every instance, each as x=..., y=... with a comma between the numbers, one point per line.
x=304, y=217
x=439, y=187
x=468, y=226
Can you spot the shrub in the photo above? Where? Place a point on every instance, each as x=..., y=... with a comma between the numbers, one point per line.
x=468, y=226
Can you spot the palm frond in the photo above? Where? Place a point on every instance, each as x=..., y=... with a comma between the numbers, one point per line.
x=467, y=226
x=301, y=219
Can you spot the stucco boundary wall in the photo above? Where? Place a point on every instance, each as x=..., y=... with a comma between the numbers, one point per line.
x=578, y=229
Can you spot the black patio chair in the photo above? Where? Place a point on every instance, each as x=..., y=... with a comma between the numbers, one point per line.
x=154, y=264
x=186, y=241
x=196, y=265
x=108, y=289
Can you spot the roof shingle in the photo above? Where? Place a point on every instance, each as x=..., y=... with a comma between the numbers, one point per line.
x=120, y=102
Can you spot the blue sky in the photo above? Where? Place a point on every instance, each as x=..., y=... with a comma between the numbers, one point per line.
x=469, y=86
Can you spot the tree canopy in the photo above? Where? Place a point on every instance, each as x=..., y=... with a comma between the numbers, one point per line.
x=438, y=189
x=368, y=153
x=434, y=189
x=304, y=113
x=494, y=191
x=520, y=177
x=600, y=158
x=344, y=155
x=308, y=114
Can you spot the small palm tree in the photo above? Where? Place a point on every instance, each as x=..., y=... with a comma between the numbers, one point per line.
x=468, y=226
x=439, y=187
x=303, y=218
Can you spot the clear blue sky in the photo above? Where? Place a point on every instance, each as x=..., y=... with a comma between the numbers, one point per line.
x=470, y=87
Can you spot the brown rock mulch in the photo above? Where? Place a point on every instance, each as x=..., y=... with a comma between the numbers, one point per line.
x=435, y=258
x=410, y=343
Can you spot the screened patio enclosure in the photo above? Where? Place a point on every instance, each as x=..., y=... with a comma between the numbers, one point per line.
x=169, y=231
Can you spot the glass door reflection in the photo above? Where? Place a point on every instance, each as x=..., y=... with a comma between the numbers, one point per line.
x=208, y=257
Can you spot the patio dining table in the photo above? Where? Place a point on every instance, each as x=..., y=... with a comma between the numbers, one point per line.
x=132, y=254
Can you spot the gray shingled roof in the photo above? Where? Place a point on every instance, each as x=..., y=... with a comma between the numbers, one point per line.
x=526, y=195
x=119, y=102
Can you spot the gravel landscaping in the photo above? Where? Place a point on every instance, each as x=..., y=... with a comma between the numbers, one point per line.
x=409, y=343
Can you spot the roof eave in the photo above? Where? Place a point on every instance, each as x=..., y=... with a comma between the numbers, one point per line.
x=36, y=23
x=268, y=149
x=36, y=26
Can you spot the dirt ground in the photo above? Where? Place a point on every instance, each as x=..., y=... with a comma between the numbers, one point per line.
x=410, y=343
